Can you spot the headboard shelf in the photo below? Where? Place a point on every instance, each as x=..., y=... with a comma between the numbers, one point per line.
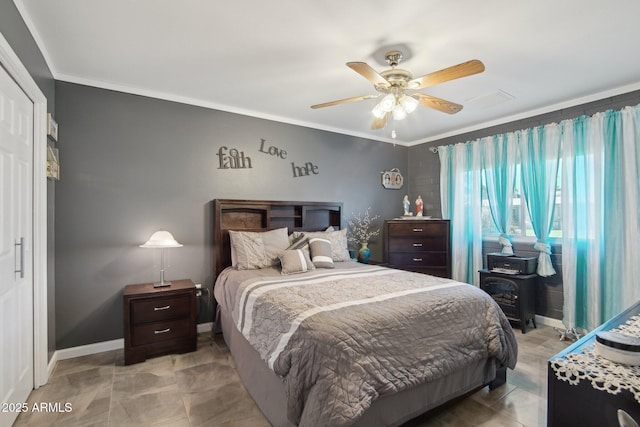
x=264, y=215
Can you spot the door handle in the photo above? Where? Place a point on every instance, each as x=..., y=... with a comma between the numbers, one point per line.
x=21, y=244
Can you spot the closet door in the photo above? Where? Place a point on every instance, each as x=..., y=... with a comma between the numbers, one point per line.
x=16, y=238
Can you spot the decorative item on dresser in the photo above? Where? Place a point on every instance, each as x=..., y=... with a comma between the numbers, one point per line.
x=159, y=320
x=586, y=389
x=419, y=245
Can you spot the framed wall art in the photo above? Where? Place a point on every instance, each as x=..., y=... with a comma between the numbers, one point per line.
x=392, y=179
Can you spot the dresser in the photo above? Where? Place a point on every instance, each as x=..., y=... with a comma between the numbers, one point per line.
x=159, y=321
x=421, y=245
x=587, y=390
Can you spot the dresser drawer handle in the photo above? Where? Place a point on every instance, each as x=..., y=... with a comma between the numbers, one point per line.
x=163, y=331
x=417, y=230
x=417, y=245
x=166, y=307
x=417, y=259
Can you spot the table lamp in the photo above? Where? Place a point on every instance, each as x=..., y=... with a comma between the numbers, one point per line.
x=162, y=240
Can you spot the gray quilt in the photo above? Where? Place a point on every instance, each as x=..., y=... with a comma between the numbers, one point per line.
x=341, y=338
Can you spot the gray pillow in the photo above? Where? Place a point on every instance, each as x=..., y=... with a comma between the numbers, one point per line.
x=338, y=239
x=321, y=252
x=295, y=261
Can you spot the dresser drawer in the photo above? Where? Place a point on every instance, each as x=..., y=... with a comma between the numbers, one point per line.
x=155, y=309
x=160, y=331
x=424, y=259
x=419, y=229
x=417, y=244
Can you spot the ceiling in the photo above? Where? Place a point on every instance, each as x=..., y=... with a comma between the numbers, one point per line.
x=274, y=59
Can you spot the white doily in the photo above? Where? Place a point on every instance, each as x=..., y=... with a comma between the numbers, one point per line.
x=602, y=373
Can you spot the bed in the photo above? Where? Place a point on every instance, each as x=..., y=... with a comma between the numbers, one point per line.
x=339, y=343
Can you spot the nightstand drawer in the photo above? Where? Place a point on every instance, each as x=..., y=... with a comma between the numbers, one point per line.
x=154, y=309
x=160, y=331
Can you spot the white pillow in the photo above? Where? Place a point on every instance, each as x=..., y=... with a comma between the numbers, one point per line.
x=254, y=250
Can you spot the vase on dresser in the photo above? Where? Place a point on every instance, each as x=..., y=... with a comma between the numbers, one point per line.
x=364, y=253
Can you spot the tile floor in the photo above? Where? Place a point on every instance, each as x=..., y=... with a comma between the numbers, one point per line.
x=202, y=388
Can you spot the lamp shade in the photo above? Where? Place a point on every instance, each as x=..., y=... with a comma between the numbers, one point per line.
x=161, y=239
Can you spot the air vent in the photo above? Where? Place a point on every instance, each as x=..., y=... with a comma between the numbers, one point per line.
x=489, y=100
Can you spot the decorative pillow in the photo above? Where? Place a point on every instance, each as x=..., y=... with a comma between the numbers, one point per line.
x=295, y=261
x=338, y=239
x=254, y=250
x=298, y=242
x=321, y=252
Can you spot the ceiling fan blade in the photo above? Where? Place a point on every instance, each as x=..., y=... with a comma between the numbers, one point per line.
x=379, y=123
x=457, y=71
x=437, y=103
x=343, y=101
x=368, y=73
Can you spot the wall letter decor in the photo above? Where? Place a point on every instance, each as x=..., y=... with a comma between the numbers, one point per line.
x=233, y=159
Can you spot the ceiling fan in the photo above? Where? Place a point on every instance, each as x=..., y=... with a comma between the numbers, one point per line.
x=399, y=88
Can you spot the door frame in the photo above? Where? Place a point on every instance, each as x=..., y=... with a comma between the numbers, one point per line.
x=10, y=61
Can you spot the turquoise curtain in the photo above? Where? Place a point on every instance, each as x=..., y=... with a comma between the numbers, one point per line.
x=539, y=160
x=460, y=193
x=600, y=205
x=499, y=169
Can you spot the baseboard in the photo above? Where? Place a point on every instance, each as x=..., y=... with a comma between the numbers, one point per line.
x=99, y=347
x=204, y=327
x=85, y=350
x=548, y=321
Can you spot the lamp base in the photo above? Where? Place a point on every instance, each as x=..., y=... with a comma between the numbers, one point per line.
x=161, y=284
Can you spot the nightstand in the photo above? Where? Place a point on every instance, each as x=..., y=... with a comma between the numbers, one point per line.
x=159, y=321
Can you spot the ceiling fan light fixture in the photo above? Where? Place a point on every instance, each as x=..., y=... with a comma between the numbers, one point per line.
x=399, y=112
x=409, y=103
x=378, y=112
x=388, y=103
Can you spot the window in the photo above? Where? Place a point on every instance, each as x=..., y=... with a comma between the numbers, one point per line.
x=520, y=222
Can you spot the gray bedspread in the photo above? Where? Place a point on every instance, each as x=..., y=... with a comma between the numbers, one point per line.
x=341, y=338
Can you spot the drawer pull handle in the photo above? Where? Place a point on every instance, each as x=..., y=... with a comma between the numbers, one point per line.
x=417, y=245
x=417, y=259
x=163, y=331
x=166, y=307
x=417, y=230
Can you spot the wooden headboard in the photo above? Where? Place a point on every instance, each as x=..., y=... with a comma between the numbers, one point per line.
x=263, y=215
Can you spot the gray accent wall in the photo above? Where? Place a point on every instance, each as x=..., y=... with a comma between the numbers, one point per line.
x=131, y=165
x=17, y=34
